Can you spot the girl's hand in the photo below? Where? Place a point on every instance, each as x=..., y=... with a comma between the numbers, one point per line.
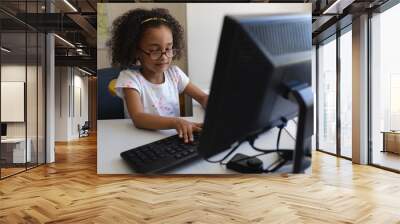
x=185, y=129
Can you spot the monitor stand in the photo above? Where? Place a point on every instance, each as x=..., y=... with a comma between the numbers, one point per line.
x=303, y=96
x=300, y=157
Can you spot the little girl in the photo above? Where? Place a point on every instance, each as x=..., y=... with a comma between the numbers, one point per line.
x=150, y=40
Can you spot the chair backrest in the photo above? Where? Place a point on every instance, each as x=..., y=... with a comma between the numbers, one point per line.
x=86, y=125
x=108, y=106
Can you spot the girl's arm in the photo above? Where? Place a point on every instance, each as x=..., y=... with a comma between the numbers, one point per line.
x=149, y=121
x=139, y=117
x=196, y=94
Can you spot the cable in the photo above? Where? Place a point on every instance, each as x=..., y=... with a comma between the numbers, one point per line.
x=279, y=138
x=252, y=140
x=288, y=132
x=282, y=160
x=290, y=135
x=226, y=156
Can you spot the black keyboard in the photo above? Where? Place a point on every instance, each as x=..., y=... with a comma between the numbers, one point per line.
x=162, y=155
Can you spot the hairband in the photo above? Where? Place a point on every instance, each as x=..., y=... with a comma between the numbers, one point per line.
x=153, y=18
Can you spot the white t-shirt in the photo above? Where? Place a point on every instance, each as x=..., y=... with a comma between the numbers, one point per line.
x=158, y=99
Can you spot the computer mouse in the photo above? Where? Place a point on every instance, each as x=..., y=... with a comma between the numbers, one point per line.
x=255, y=163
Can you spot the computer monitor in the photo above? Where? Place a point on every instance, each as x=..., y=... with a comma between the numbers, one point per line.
x=3, y=130
x=261, y=60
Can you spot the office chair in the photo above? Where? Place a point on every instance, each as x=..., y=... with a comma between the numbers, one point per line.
x=84, y=129
x=110, y=106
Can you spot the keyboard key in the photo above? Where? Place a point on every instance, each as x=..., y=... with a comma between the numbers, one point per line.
x=162, y=155
x=142, y=156
x=136, y=160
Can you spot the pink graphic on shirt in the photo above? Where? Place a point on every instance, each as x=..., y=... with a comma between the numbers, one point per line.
x=128, y=84
x=163, y=106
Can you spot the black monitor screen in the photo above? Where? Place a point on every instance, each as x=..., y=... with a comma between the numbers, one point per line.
x=256, y=55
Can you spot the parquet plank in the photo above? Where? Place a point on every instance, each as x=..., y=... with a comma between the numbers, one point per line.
x=70, y=191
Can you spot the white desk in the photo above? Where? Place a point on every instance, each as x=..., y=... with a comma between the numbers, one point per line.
x=18, y=149
x=116, y=136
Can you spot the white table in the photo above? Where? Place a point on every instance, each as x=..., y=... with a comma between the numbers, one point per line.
x=116, y=136
x=18, y=144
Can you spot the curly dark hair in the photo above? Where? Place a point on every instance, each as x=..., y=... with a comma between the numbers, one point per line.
x=128, y=29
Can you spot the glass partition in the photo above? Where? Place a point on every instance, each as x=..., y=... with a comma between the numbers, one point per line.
x=41, y=96
x=22, y=66
x=346, y=93
x=327, y=96
x=31, y=98
x=14, y=153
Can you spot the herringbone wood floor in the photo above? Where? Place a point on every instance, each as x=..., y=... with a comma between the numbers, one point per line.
x=70, y=191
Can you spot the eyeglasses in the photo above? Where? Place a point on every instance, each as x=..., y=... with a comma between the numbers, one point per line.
x=157, y=54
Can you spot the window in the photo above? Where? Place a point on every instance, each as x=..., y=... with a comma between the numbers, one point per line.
x=335, y=74
x=346, y=93
x=385, y=88
x=327, y=97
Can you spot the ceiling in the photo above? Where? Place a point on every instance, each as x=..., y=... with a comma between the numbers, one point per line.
x=332, y=15
x=76, y=23
x=326, y=13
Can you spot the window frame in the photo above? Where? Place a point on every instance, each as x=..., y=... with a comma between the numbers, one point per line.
x=333, y=37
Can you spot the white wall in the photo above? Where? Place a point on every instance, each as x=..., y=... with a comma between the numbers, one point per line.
x=12, y=73
x=33, y=126
x=62, y=80
x=12, y=101
x=68, y=83
x=80, y=103
x=204, y=23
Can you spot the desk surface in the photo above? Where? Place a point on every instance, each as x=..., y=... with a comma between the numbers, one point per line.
x=390, y=132
x=116, y=136
x=13, y=140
